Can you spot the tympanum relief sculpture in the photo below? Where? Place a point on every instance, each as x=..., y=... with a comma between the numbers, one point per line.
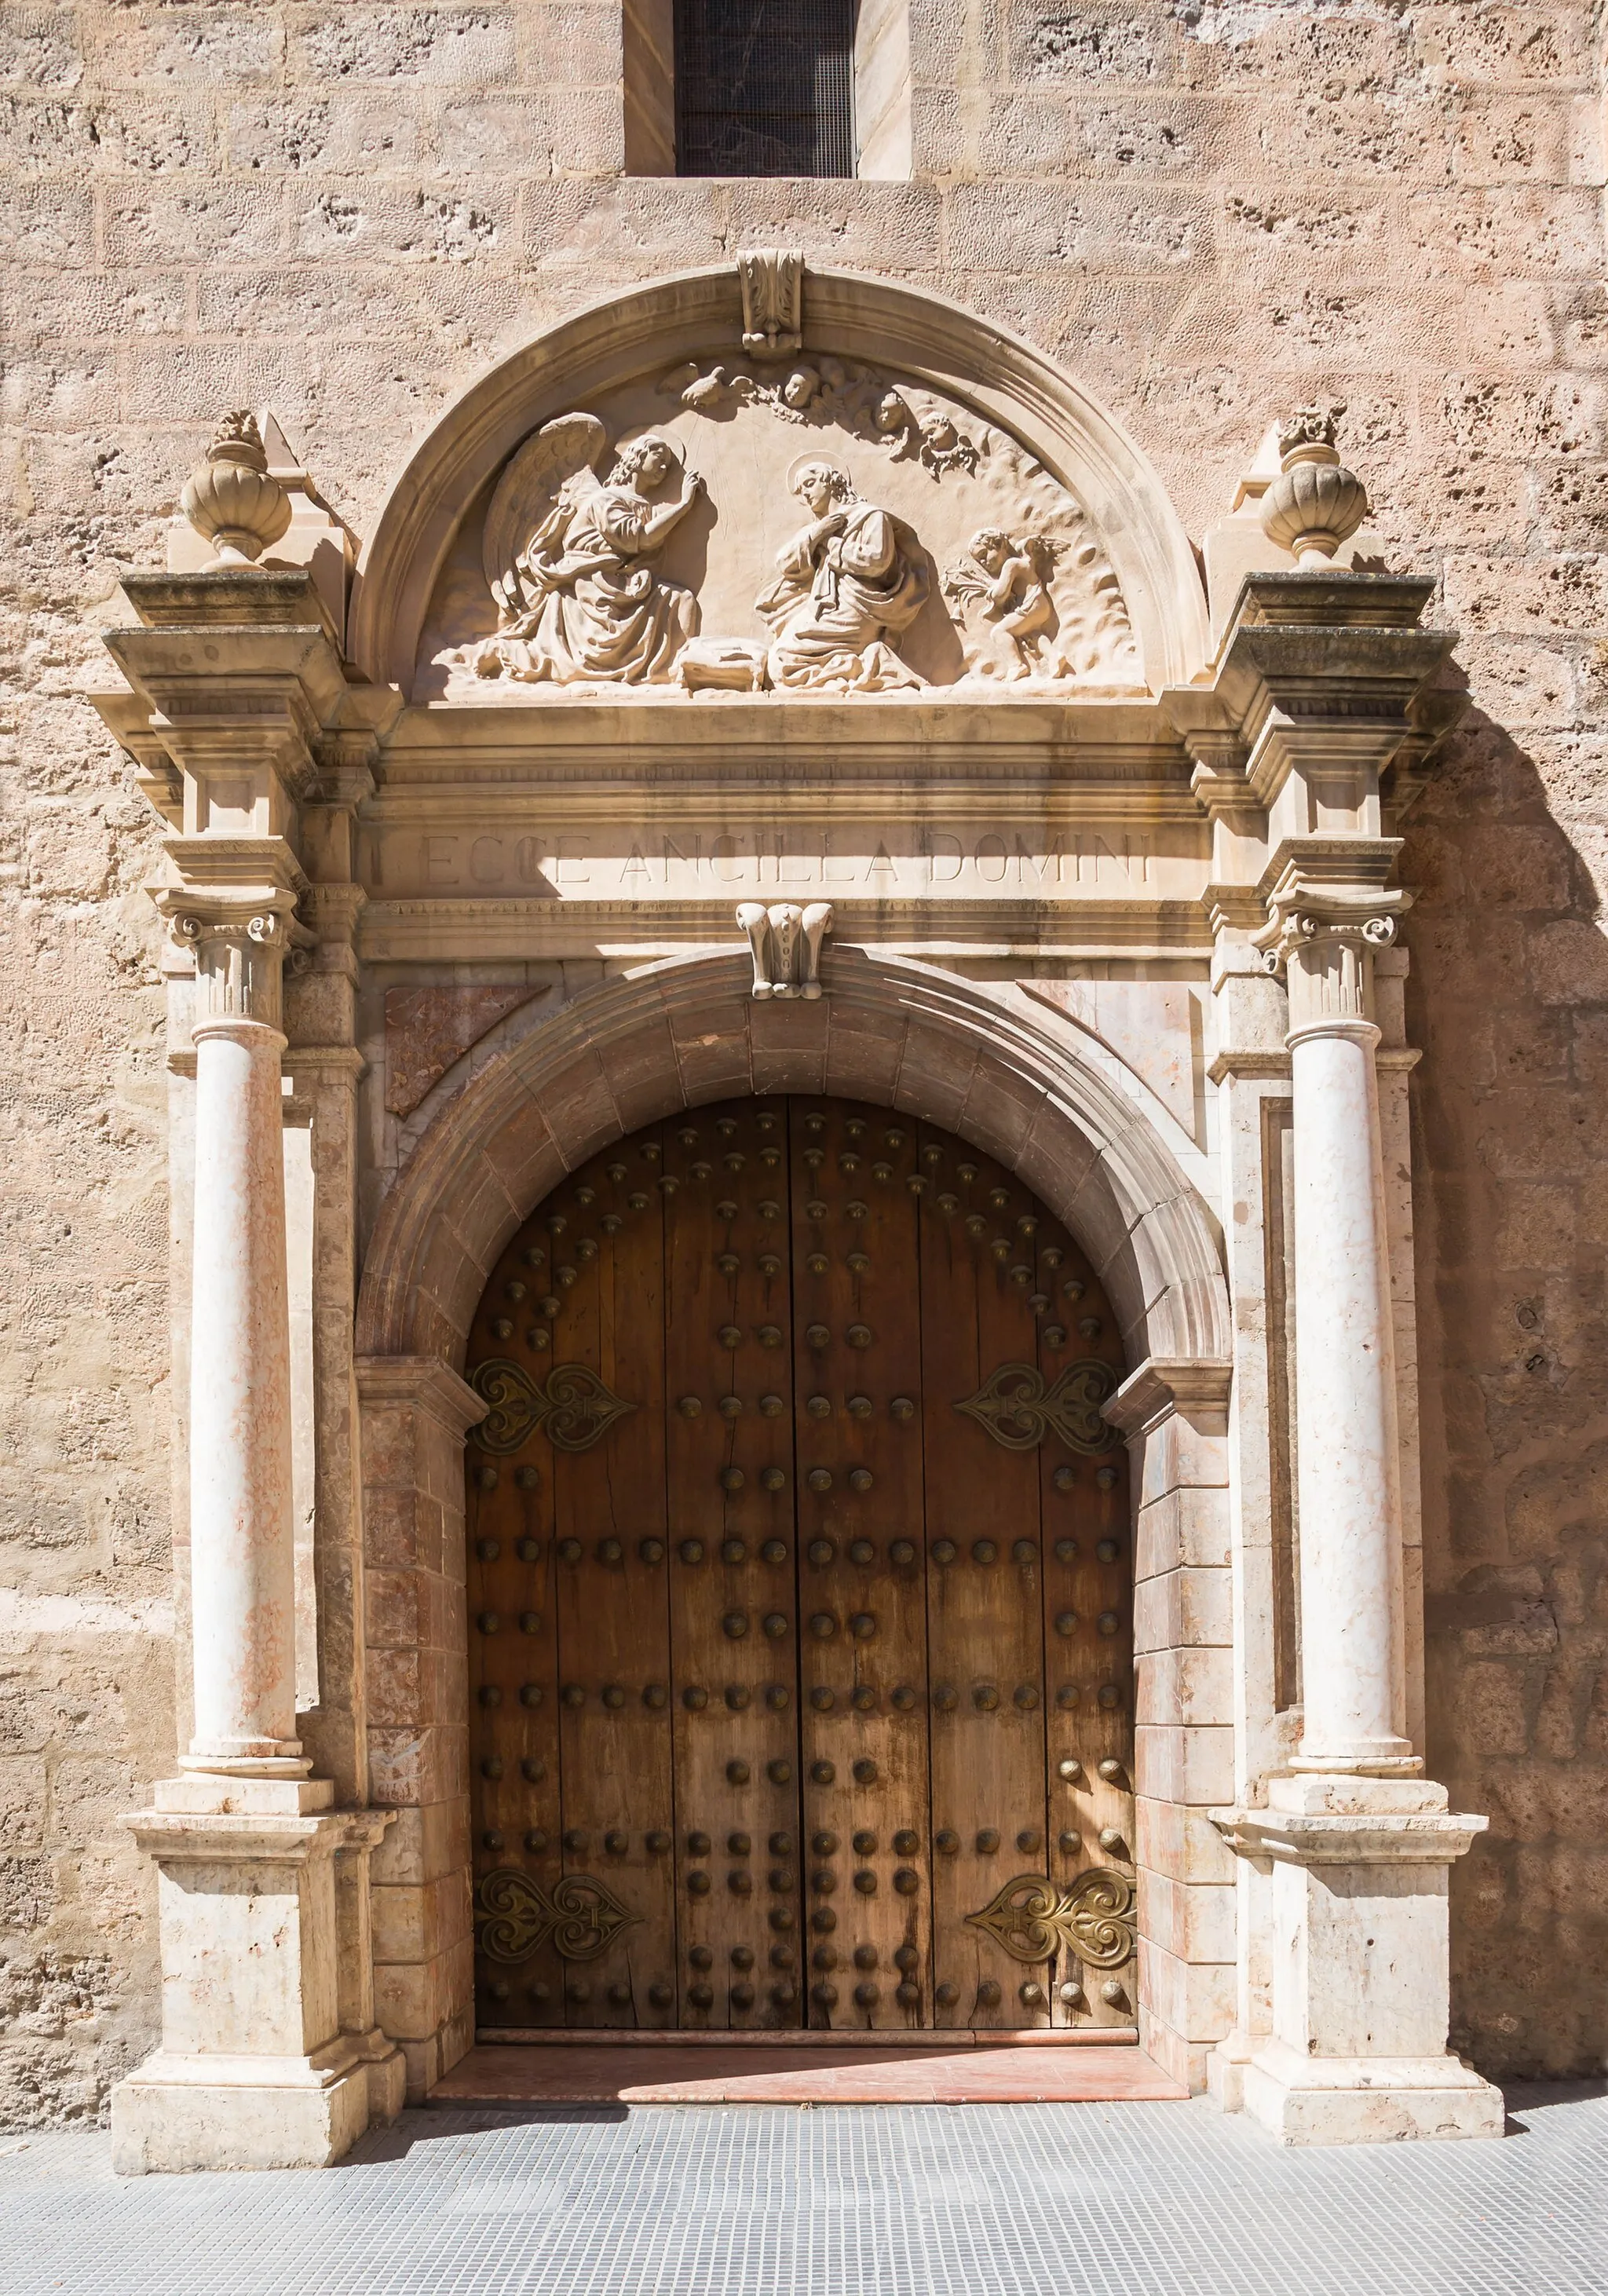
x=915, y=547
x=1011, y=626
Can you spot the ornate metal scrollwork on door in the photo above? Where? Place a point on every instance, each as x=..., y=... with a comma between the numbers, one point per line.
x=574, y=1409
x=1018, y=1410
x=1033, y=1919
x=513, y=1915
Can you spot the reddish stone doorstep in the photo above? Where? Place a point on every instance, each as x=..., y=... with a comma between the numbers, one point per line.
x=680, y=2068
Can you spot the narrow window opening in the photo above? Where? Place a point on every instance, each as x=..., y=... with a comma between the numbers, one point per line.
x=764, y=87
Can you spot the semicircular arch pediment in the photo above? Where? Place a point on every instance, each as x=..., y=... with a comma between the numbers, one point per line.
x=982, y=1063
x=955, y=423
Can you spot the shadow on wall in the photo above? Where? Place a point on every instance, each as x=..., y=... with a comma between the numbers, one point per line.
x=1509, y=991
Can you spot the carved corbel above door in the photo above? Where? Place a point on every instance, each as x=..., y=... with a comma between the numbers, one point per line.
x=772, y=279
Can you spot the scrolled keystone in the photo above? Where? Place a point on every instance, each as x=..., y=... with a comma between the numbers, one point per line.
x=231, y=500
x=1315, y=504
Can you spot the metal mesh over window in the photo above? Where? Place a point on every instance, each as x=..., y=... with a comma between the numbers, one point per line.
x=764, y=87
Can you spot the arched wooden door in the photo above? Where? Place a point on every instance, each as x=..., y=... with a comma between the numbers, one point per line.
x=799, y=1593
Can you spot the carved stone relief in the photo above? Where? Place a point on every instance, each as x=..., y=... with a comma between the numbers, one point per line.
x=837, y=394
x=848, y=584
x=913, y=546
x=786, y=943
x=772, y=280
x=568, y=558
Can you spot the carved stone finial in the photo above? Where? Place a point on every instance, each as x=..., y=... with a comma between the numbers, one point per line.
x=785, y=942
x=772, y=279
x=1315, y=504
x=230, y=499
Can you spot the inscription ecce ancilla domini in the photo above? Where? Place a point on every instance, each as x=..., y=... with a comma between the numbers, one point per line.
x=692, y=864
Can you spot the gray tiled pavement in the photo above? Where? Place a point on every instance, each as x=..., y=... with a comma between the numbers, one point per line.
x=1128, y=2200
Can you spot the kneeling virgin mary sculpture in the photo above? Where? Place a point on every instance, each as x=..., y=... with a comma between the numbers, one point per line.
x=847, y=582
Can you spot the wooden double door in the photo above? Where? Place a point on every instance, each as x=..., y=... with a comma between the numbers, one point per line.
x=799, y=1593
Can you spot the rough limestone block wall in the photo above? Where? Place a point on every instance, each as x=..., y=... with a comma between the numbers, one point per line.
x=1205, y=209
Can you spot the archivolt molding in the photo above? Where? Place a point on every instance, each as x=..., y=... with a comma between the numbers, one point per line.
x=978, y=1061
x=698, y=316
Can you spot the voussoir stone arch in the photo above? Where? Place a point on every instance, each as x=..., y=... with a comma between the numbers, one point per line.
x=698, y=314
x=974, y=1058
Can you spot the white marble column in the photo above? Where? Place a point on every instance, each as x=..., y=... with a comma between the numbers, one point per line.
x=242, y=1527
x=270, y=2056
x=1348, y=1468
x=1353, y=1845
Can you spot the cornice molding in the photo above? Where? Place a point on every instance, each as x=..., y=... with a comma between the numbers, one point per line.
x=1193, y=1386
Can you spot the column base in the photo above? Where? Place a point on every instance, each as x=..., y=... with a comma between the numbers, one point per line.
x=1226, y=2072
x=270, y=2055
x=189, y=2113
x=1367, y=2100
x=1354, y=2048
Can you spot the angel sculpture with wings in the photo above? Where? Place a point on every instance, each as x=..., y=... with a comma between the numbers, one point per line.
x=567, y=558
x=1002, y=590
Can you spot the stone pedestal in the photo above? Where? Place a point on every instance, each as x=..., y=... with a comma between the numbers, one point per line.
x=270, y=2058
x=1358, y=1870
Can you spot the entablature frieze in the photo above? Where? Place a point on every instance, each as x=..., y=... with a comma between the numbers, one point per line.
x=483, y=929
x=929, y=823
x=875, y=743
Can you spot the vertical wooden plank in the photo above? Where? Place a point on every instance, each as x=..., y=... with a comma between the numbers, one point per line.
x=984, y=1581
x=862, y=1595
x=613, y=1644
x=733, y=1590
x=514, y=1648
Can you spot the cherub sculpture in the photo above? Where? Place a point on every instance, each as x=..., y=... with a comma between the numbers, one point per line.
x=1002, y=590
x=568, y=556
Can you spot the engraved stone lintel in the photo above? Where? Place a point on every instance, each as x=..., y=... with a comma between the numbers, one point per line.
x=772, y=279
x=786, y=943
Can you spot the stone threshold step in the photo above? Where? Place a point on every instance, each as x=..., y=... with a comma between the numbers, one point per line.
x=958, y=2037
x=977, y=2073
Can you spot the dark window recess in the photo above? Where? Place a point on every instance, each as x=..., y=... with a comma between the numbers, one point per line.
x=764, y=87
